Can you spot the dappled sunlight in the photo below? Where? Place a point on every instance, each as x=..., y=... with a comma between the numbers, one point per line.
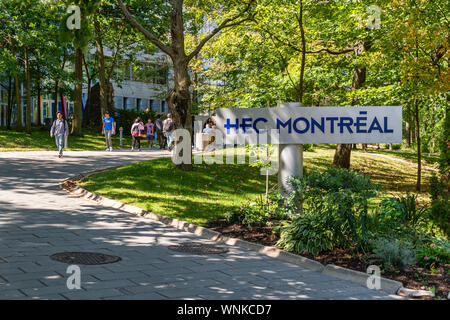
x=210, y=191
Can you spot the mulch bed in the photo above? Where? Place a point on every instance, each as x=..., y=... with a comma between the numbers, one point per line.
x=69, y=185
x=415, y=278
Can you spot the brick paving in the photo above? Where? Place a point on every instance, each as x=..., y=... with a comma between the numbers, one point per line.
x=37, y=219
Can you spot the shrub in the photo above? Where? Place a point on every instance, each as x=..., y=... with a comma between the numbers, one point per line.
x=440, y=205
x=394, y=252
x=395, y=146
x=434, y=253
x=254, y=213
x=333, y=207
x=399, y=217
x=410, y=213
x=308, y=147
x=308, y=232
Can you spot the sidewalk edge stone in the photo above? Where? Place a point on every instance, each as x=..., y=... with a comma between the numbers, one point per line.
x=387, y=285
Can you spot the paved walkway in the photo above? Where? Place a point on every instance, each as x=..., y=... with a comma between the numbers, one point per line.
x=37, y=219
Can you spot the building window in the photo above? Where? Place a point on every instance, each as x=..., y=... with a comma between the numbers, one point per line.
x=129, y=103
x=118, y=102
x=138, y=103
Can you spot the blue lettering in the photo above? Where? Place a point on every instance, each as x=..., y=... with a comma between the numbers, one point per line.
x=345, y=122
x=287, y=123
x=306, y=125
x=245, y=125
x=386, y=130
x=375, y=126
x=321, y=126
x=228, y=125
x=359, y=123
x=332, y=120
x=255, y=123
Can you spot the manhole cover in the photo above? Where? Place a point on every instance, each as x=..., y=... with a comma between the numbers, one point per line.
x=198, y=248
x=86, y=258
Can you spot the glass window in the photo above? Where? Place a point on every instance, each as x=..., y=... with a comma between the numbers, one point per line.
x=125, y=103
x=118, y=102
x=45, y=111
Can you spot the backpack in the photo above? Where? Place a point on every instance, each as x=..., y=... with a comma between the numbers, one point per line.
x=168, y=126
x=158, y=124
x=64, y=123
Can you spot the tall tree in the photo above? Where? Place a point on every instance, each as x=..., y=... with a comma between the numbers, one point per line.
x=343, y=151
x=225, y=14
x=80, y=39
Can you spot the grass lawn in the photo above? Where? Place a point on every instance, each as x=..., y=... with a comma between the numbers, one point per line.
x=40, y=140
x=427, y=159
x=210, y=191
x=409, y=155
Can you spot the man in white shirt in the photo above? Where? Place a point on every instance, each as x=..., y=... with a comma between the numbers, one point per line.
x=168, y=128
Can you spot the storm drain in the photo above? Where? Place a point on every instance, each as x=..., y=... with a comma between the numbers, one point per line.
x=85, y=258
x=198, y=248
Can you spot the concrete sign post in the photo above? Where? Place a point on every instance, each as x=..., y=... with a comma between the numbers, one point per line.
x=290, y=159
x=298, y=125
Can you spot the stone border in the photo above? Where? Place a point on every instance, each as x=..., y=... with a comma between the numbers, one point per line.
x=71, y=186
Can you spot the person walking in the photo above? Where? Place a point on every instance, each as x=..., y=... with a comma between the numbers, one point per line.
x=150, y=126
x=168, y=130
x=59, y=130
x=108, y=129
x=136, y=131
x=159, y=131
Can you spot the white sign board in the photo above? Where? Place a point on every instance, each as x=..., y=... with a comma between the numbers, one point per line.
x=299, y=125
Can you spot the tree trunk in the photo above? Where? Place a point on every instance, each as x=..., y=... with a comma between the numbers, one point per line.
x=9, y=106
x=77, y=104
x=343, y=152
x=433, y=136
x=55, y=106
x=419, y=155
x=18, y=104
x=38, y=106
x=342, y=156
x=101, y=68
x=302, y=68
x=28, y=86
x=408, y=127
x=408, y=134
x=179, y=101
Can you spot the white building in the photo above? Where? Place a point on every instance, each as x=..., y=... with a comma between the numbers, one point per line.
x=137, y=87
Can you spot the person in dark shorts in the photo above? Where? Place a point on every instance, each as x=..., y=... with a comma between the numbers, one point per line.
x=150, y=131
x=159, y=132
